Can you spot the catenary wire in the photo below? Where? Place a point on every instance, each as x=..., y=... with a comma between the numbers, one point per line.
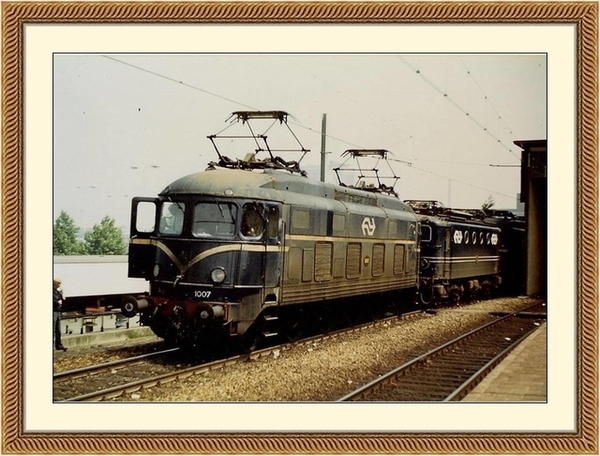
x=199, y=89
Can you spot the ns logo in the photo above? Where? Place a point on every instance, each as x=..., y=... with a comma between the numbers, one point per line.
x=368, y=226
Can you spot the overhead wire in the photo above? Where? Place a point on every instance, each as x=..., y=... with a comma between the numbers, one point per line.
x=487, y=99
x=177, y=81
x=199, y=89
x=457, y=106
x=376, y=114
x=495, y=192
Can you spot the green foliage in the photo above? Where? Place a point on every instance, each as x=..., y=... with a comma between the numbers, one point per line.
x=105, y=239
x=489, y=203
x=65, y=236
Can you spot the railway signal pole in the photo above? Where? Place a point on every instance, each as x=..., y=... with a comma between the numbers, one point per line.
x=323, y=142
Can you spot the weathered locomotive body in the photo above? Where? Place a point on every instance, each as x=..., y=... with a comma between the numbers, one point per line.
x=513, y=249
x=460, y=255
x=230, y=252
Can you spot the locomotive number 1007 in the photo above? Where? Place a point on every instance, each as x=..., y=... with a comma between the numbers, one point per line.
x=202, y=294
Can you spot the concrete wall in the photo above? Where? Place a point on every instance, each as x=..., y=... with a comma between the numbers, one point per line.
x=534, y=193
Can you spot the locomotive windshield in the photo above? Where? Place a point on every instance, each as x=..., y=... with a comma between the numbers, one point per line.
x=214, y=220
x=251, y=221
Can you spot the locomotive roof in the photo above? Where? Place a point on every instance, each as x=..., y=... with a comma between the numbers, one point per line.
x=276, y=185
x=455, y=221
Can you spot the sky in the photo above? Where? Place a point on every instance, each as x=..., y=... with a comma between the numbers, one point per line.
x=127, y=125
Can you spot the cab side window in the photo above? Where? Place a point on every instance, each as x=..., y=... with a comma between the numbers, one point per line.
x=426, y=233
x=252, y=221
x=273, y=222
x=145, y=217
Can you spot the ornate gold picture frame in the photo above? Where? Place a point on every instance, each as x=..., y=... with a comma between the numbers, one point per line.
x=16, y=15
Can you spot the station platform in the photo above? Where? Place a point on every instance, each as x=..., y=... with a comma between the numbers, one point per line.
x=520, y=377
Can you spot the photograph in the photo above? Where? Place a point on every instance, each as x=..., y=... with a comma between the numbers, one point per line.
x=263, y=241
x=246, y=201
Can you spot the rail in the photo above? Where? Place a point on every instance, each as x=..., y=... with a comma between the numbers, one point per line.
x=82, y=371
x=145, y=379
x=435, y=374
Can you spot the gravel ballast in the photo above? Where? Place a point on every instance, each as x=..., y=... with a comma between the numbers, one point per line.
x=332, y=368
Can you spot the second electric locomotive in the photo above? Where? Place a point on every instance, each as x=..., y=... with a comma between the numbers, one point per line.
x=460, y=254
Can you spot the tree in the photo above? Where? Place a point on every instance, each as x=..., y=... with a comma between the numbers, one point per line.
x=105, y=239
x=65, y=236
x=489, y=203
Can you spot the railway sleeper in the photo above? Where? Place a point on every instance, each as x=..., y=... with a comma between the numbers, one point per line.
x=453, y=368
x=441, y=381
x=410, y=395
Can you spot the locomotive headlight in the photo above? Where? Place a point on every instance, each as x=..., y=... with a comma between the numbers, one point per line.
x=218, y=275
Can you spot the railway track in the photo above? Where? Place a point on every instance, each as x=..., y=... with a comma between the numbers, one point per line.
x=110, y=380
x=451, y=371
x=87, y=382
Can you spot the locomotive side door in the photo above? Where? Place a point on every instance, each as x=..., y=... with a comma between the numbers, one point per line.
x=141, y=254
x=273, y=245
x=448, y=253
x=260, y=264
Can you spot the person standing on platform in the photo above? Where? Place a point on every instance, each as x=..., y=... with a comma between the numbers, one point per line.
x=57, y=301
